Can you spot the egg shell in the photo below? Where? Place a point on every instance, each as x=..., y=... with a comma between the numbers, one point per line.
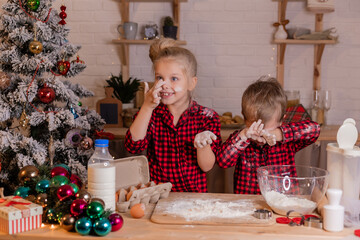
x=138, y=210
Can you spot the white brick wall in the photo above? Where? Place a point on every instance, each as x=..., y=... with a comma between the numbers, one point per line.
x=231, y=40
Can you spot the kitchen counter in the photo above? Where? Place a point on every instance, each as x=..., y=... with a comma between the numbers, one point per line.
x=145, y=229
x=328, y=133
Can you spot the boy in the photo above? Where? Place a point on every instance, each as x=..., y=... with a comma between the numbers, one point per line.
x=264, y=141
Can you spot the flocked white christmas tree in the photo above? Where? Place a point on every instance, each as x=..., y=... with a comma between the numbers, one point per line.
x=41, y=117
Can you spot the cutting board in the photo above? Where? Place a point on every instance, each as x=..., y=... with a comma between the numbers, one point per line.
x=169, y=210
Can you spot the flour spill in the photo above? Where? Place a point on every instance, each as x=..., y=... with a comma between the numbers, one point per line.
x=201, y=209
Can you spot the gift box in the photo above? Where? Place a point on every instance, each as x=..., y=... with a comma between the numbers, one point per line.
x=19, y=215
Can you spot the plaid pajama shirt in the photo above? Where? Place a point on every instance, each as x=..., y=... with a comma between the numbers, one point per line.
x=249, y=156
x=170, y=149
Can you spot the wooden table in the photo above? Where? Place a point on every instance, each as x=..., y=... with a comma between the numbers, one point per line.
x=145, y=229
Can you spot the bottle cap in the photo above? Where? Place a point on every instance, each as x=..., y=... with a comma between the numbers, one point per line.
x=347, y=134
x=101, y=143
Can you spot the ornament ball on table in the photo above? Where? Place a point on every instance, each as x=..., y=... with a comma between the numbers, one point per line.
x=68, y=222
x=83, y=226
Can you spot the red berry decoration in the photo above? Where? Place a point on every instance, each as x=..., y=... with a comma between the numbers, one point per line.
x=46, y=94
x=63, y=66
x=78, y=60
x=62, y=15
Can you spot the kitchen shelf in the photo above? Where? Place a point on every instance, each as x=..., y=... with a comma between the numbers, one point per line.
x=140, y=41
x=124, y=43
x=297, y=41
x=319, y=46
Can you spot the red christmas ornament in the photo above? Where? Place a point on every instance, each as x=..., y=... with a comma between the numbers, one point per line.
x=64, y=192
x=116, y=221
x=78, y=207
x=56, y=171
x=63, y=66
x=75, y=179
x=78, y=60
x=62, y=15
x=46, y=94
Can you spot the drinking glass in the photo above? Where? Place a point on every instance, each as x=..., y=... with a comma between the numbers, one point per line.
x=326, y=102
x=316, y=107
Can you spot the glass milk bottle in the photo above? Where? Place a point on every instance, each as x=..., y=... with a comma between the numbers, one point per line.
x=101, y=174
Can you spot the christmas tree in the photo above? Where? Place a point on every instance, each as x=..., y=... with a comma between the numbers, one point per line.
x=42, y=120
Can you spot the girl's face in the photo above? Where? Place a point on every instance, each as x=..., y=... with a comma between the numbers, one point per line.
x=178, y=86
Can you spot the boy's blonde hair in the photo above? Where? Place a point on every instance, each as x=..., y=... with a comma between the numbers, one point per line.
x=167, y=48
x=262, y=99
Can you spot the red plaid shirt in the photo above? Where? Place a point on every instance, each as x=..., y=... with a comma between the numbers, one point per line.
x=248, y=156
x=170, y=149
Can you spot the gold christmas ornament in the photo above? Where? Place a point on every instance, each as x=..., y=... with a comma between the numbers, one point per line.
x=24, y=119
x=4, y=80
x=35, y=47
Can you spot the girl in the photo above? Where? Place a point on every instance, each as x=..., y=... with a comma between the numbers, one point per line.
x=181, y=137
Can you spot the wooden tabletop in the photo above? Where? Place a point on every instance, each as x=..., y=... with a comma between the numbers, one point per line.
x=327, y=133
x=145, y=229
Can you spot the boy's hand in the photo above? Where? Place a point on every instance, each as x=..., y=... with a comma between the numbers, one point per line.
x=151, y=97
x=254, y=132
x=204, y=138
x=269, y=137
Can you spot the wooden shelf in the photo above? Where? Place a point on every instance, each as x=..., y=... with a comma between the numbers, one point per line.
x=142, y=41
x=298, y=41
x=154, y=0
x=124, y=44
x=319, y=46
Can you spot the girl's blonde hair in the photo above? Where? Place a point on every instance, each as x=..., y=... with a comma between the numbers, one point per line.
x=167, y=48
x=262, y=99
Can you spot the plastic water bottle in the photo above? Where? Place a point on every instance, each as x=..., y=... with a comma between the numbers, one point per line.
x=101, y=174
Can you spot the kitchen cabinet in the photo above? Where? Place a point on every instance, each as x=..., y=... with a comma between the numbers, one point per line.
x=124, y=43
x=319, y=46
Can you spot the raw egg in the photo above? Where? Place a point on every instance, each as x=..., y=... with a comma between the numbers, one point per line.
x=138, y=210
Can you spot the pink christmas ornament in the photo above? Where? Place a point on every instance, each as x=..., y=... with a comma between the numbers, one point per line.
x=116, y=221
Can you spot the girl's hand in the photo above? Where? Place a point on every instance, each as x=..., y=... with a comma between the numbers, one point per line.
x=204, y=138
x=151, y=97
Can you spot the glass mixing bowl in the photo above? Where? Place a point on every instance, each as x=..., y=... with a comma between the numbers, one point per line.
x=289, y=187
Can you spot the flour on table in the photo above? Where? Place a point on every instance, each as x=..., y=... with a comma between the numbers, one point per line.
x=196, y=209
x=280, y=203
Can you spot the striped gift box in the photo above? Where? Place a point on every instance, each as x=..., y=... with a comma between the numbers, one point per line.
x=19, y=215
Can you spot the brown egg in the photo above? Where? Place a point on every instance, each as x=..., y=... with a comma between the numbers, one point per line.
x=138, y=210
x=128, y=196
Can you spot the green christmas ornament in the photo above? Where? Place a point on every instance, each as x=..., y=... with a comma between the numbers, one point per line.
x=83, y=226
x=94, y=210
x=22, y=192
x=33, y=5
x=59, y=180
x=74, y=187
x=102, y=227
x=42, y=186
x=79, y=104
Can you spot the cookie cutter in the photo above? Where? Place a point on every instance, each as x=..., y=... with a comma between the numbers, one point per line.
x=295, y=223
x=262, y=214
x=314, y=222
